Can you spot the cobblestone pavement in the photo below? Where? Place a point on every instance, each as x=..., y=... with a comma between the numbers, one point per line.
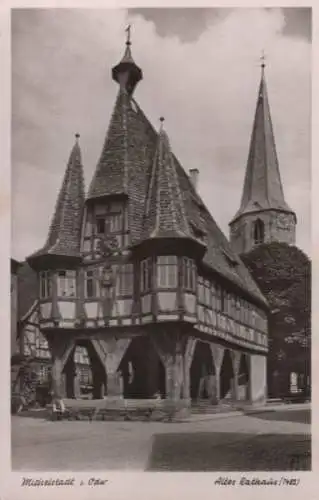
x=247, y=442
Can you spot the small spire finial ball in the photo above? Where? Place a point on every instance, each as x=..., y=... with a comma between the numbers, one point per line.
x=77, y=136
x=162, y=119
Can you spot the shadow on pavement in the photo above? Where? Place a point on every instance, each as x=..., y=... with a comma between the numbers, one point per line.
x=301, y=416
x=210, y=451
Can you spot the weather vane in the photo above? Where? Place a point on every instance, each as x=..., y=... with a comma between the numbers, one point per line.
x=128, y=31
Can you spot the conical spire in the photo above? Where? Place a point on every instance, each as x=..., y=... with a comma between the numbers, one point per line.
x=110, y=177
x=65, y=230
x=127, y=73
x=262, y=186
x=164, y=210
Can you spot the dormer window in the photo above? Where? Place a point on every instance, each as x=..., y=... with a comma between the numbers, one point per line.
x=111, y=223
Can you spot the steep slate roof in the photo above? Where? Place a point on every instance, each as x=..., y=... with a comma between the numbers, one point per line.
x=143, y=166
x=164, y=209
x=110, y=176
x=65, y=230
x=262, y=186
x=219, y=255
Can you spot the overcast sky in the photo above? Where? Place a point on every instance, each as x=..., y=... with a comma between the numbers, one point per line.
x=201, y=71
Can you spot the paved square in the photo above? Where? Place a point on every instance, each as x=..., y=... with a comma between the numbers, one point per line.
x=265, y=441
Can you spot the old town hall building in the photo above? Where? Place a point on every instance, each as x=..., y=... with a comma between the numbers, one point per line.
x=138, y=275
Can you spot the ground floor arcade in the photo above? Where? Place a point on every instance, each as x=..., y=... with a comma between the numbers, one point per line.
x=167, y=365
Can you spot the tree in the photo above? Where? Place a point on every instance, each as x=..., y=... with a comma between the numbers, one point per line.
x=283, y=274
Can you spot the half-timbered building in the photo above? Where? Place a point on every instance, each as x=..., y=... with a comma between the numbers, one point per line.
x=138, y=274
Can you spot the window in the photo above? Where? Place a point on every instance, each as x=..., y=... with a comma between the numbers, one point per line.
x=66, y=283
x=89, y=285
x=45, y=285
x=126, y=279
x=100, y=225
x=200, y=290
x=43, y=374
x=146, y=275
x=259, y=232
x=167, y=271
x=223, y=301
x=189, y=274
x=207, y=292
x=112, y=223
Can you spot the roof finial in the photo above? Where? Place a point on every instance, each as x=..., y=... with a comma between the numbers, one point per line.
x=162, y=119
x=77, y=137
x=263, y=59
x=128, y=37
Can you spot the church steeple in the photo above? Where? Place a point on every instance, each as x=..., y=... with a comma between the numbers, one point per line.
x=263, y=198
x=126, y=72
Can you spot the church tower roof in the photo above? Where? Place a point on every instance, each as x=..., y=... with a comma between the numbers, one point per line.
x=65, y=230
x=263, y=188
x=164, y=210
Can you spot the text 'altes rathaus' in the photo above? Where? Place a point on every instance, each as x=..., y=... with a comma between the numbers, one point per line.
x=138, y=272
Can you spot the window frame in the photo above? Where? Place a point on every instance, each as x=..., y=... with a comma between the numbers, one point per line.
x=126, y=280
x=66, y=285
x=90, y=277
x=189, y=278
x=45, y=284
x=146, y=272
x=165, y=279
x=259, y=232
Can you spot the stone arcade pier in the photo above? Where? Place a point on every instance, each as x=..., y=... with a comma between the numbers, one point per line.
x=183, y=368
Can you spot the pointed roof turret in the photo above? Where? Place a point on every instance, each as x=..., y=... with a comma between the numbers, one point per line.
x=164, y=210
x=110, y=177
x=65, y=230
x=262, y=186
x=126, y=72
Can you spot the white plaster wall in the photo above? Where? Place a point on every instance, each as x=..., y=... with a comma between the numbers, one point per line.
x=167, y=301
x=258, y=378
x=67, y=309
x=46, y=310
x=91, y=309
x=190, y=302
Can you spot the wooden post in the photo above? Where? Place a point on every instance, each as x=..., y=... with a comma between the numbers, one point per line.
x=61, y=349
x=235, y=356
x=218, y=356
x=188, y=358
x=111, y=352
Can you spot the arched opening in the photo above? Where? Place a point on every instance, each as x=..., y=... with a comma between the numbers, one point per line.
x=202, y=372
x=259, y=232
x=142, y=371
x=226, y=376
x=243, y=378
x=97, y=370
x=79, y=372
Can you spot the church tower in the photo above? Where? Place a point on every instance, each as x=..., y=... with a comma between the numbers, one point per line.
x=263, y=216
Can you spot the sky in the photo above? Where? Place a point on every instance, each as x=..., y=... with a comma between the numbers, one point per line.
x=201, y=72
